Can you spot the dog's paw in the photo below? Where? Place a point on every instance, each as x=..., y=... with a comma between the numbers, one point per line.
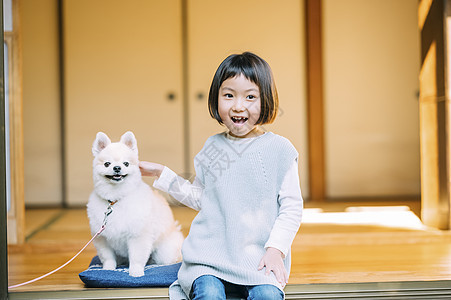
x=109, y=265
x=136, y=271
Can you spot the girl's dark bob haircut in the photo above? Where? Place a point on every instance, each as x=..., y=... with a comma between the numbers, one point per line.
x=254, y=69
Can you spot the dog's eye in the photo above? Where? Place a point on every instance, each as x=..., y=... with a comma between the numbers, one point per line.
x=107, y=164
x=126, y=163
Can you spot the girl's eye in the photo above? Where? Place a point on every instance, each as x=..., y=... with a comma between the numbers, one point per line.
x=126, y=164
x=228, y=95
x=107, y=164
x=251, y=97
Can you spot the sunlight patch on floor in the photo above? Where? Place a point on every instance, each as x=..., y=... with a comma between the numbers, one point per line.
x=385, y=216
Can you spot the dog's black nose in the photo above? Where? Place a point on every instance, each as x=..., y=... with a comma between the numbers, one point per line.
x=117, y=169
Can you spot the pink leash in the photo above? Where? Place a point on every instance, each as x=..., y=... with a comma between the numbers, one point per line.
x=59, y=268
x=107, y=213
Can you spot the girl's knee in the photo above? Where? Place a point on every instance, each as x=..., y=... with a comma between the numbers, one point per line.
x=266, y=291
x=207, y=287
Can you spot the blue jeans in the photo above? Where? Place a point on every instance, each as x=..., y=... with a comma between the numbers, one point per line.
x=210, y=287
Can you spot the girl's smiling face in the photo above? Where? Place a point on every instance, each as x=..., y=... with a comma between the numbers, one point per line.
x=239, y=106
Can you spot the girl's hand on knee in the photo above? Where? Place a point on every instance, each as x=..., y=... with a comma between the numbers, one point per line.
x=273, y=261
x=150, y=169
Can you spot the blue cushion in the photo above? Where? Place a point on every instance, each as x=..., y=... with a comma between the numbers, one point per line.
x=154, y=276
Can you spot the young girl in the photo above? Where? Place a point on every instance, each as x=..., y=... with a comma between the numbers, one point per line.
x=246, y=191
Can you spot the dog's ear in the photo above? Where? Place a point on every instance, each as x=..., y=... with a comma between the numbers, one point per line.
x=102, y=140
x=129, y=140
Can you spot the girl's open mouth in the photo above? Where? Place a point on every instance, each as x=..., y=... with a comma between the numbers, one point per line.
x=239, y=120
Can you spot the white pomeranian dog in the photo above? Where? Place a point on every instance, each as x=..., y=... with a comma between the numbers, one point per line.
x=141, y=226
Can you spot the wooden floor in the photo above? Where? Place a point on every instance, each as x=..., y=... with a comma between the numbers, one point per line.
x=352, y=242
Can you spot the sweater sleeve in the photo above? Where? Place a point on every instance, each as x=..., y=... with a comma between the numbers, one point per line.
x=290, y=212
x=181, y=189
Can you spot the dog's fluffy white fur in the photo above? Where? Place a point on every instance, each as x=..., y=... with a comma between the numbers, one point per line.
x=141, y=227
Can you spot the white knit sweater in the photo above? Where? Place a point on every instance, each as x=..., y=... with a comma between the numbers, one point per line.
x=242, y=210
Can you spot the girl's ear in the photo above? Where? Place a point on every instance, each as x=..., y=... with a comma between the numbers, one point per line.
x=101, y=142
x=129, y=140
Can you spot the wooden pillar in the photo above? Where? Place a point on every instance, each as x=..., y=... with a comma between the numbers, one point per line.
x=16, y=214
x=435, y=113
x=315, y=109
x=3, y=212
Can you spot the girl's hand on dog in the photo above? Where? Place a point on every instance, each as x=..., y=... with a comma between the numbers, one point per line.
x=150, y=169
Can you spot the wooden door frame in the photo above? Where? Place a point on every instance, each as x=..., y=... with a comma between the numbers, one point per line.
x=315, y=106
x=435, y=112
x=16, y=215
x=3, y=226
